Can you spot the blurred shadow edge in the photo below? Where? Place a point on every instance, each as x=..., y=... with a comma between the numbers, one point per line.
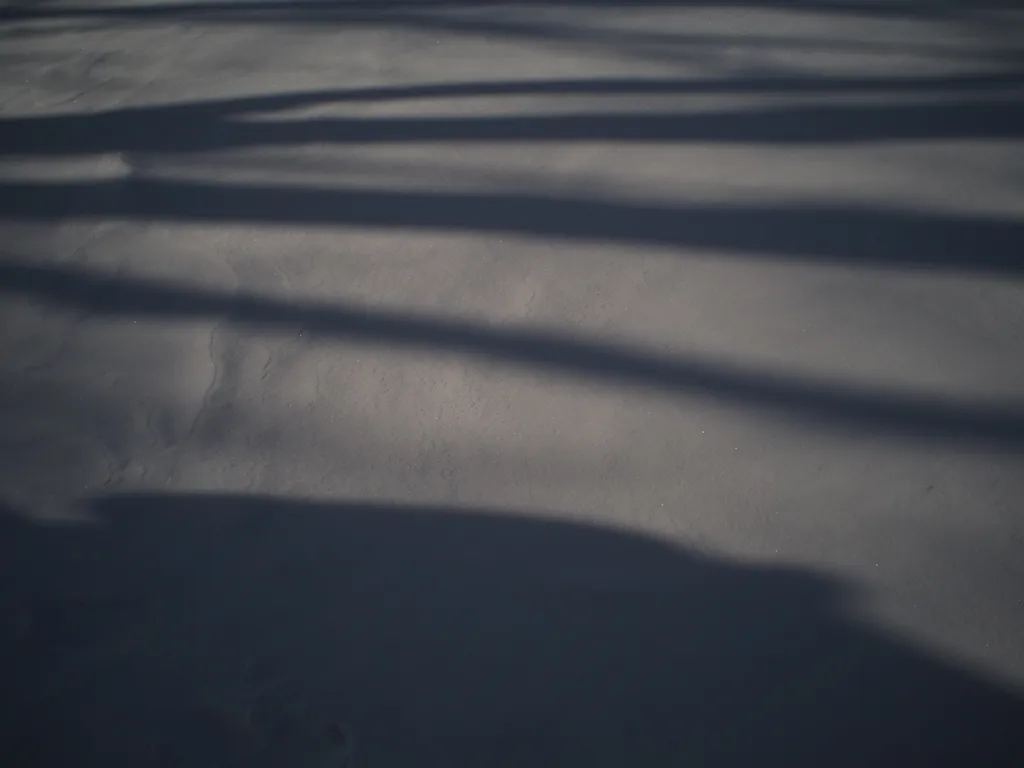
x=459, y=636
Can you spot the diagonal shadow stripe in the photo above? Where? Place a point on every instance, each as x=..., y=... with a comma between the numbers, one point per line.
x=820, y=403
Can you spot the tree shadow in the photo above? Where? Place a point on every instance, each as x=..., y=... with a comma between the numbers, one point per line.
x=960, y=107
x=957, y=107
x=859, y=236
x=246, y=10
x=545, y=21
x=673, y=47
x=854, y=409
x=446, y=636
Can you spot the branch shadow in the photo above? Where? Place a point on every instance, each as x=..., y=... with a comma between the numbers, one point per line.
x=536, y=21
x=446, y=636
x=853, y=409
x=677, y=47
x=845, y=235
x=455, y=637
x=343, y=10
x=989, y=106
